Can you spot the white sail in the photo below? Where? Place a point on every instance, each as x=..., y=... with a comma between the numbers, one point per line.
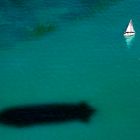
x=130, y=29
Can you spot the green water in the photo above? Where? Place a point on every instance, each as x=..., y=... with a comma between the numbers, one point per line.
x=83, y=58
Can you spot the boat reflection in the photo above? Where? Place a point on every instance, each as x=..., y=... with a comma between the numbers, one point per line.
x=129, y=41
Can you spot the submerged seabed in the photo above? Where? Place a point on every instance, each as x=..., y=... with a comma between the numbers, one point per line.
x=69, y=51
x=29, y=20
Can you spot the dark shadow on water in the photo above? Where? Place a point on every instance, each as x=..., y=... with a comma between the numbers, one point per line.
x=24, y=116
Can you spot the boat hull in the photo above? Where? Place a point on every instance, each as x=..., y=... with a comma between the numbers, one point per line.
x=129, y=34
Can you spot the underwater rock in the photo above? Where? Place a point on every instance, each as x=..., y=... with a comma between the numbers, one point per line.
x=40, y=30
x=17, y=2
x=48, y=113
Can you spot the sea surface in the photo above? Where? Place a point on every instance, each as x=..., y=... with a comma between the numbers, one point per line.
x=61, y=51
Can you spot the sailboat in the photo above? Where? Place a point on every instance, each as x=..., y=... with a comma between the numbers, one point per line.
x=130, y=30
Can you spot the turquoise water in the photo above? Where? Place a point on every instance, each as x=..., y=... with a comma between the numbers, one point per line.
x=72, y=51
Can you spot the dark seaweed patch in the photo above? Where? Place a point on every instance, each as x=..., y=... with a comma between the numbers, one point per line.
x=41, y=30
